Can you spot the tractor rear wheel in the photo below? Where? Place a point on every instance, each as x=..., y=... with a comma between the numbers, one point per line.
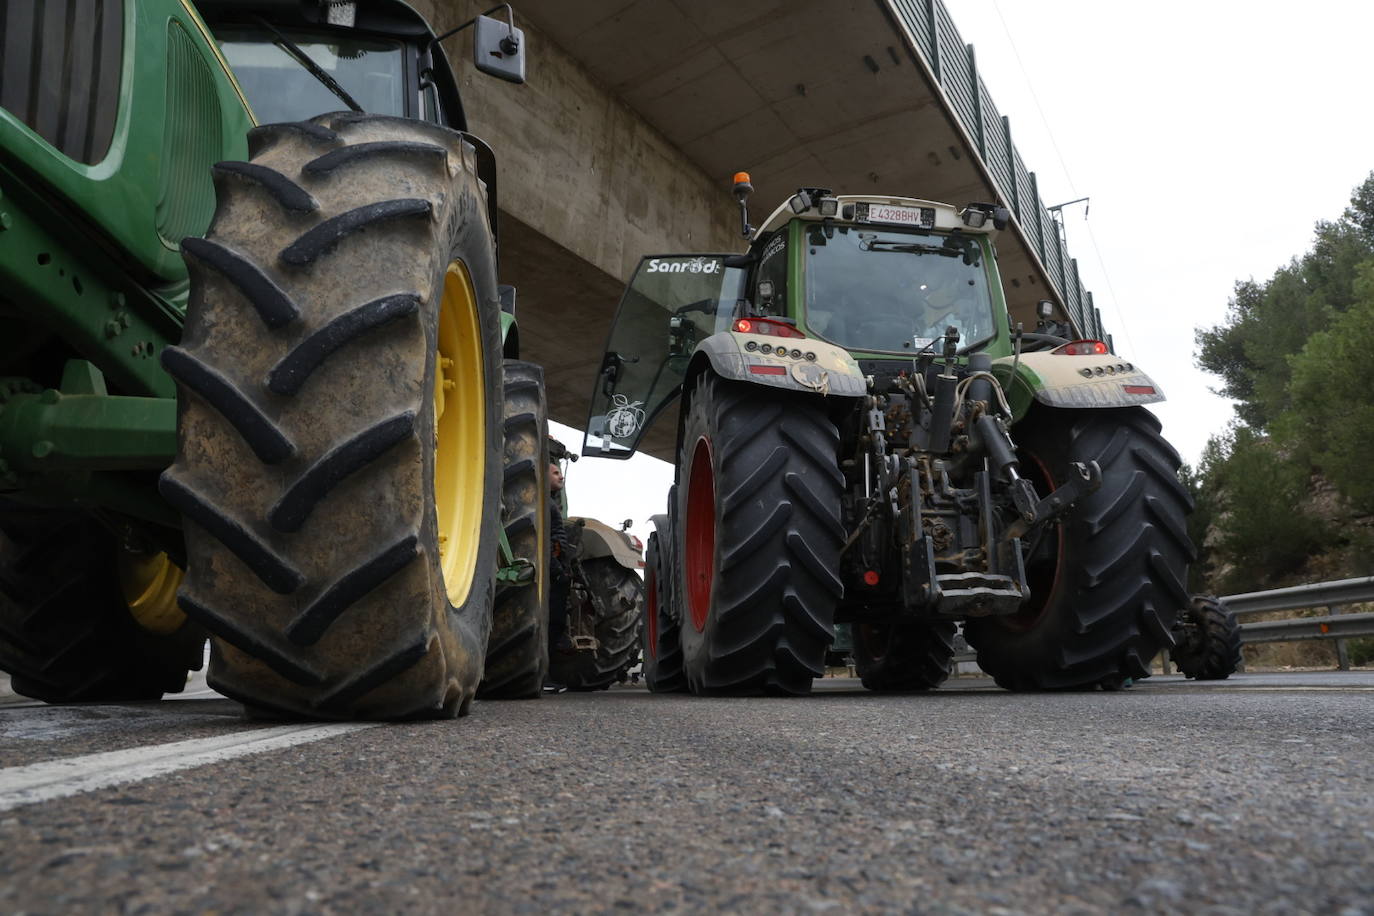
x=1107, y=581
x=83, y=620
x=904, y=656
x=661, y=636
x=339, y=444
x=616, y=609
x=518, y=652
x=1208, y=640
x=759, y=510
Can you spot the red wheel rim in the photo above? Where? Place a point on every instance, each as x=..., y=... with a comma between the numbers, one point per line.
x=651, y=611
x=1041, y=597
x=701, y=533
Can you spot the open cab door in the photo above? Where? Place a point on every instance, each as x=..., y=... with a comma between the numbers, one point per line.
x=673, y=302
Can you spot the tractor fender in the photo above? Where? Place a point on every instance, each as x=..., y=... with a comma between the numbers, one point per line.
x=601, y=540
x=809, y=365
x=1105, y=380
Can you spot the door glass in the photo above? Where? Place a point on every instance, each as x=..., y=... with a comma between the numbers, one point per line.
x=673, y=303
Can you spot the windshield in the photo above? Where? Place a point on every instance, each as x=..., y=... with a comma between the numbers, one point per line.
x=895, y=291
x=280, y=89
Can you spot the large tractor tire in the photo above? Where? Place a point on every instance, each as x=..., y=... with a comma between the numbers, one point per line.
x=518, y=652
x=904, y=656
x=616, y=628
x=1207, y=641
x=1106, y=582
x=660, y=633
x=759, y=493
x=339, y=444
x=82, y=619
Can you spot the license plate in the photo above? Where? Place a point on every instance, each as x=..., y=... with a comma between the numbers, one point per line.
x=896, y=214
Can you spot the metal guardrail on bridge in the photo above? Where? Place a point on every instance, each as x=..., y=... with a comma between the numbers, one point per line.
x=955, y=70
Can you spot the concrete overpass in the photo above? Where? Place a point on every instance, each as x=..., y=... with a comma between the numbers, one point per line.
x=637, y=113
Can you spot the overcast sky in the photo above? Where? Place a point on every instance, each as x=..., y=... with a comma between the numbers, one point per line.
x=1210, y=136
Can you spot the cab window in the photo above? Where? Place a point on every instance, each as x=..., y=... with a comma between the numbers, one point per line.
x=371, y=70
x=770, y=280
x=876, y=289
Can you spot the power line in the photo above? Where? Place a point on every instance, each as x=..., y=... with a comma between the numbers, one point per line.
x=1116, y=303
x=1030, y=87
x=1054, y=144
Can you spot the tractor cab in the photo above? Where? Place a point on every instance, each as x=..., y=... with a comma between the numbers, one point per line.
x=882, y=279
x=295, y=60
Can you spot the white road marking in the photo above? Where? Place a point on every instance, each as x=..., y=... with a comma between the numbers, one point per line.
x=52, y=779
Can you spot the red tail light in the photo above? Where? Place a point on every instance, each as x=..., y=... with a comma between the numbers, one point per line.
x=769, y=327
x=1081, y=348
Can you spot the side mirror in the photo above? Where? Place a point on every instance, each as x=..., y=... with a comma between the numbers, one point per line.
x=682, y=337
x=498, y=49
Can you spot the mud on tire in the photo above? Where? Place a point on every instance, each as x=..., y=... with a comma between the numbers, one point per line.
x=1107, y=581
x=319, y=425
x=518, y=651
x=759, y=492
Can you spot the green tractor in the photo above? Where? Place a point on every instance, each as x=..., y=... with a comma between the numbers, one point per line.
x=256, y=363
x=865, y=438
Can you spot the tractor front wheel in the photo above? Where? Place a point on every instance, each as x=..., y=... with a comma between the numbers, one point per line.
x=904, y=656
x=1207, y=640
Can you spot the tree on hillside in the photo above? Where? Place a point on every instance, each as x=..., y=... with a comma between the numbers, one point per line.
x=1332, y=421
x=1269, y=322
x=1297, y=353
x=1254, y=496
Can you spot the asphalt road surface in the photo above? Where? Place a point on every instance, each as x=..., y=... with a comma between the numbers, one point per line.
x=1254, y=795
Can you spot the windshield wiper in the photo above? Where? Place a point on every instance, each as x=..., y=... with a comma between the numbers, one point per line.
x=966, y=249
x=315, y=70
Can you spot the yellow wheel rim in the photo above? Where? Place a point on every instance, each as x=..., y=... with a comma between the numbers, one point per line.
x=150, y=584
x=460, y=433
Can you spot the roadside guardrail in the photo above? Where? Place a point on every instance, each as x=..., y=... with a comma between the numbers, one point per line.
x=1331, y=595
